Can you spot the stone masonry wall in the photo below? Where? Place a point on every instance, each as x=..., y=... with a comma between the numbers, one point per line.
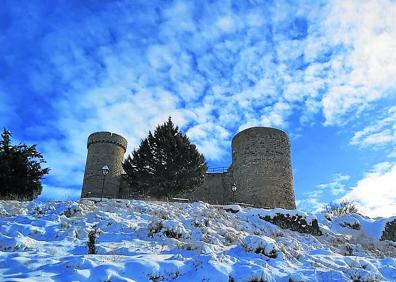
x=211, y=190
x=216, y=189
x=261, y=167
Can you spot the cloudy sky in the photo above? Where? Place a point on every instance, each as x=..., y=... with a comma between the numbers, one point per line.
x=324, y=71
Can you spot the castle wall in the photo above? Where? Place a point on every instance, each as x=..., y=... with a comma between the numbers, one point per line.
x=104, y=148
x=212, y=190
x=261, y=170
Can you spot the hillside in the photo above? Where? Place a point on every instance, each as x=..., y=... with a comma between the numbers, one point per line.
x=158, y=241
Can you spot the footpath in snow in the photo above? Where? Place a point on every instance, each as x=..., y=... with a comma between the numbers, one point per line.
x=158, y=241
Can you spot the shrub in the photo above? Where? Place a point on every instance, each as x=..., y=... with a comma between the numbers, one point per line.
x=389, y=232
x=69, y=212
x=344, y=207
x=170, y=228
x=92, y=242
x=20, y=170
x=260, y=245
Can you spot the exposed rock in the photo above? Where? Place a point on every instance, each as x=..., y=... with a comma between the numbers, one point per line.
x=295, y=223
x=355, y=226
x=232, y=208
x=350, y=222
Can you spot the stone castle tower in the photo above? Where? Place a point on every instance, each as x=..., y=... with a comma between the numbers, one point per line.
x=261, y=167
x=261, y=170
x=104, y=148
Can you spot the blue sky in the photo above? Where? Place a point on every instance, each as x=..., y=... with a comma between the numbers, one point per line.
x=324, y=71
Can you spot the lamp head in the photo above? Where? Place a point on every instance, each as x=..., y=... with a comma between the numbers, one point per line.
x=105, y=170
x=233, y=187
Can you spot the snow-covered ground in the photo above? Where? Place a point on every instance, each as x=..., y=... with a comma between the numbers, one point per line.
x=157, y=241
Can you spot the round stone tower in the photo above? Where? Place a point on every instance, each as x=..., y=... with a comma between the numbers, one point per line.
x=104, y=148
x=261, y=168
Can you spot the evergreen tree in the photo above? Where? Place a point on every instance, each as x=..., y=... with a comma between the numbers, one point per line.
x=20, y=170
x=165, y=164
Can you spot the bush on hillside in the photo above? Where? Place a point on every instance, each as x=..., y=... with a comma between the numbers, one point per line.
x=342, y=208
x=260, y=245
x=389, y=232
x=91, y=244
x=166, y=164
x=20, y=170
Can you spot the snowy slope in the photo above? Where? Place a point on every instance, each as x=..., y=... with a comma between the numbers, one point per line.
x=157, y=241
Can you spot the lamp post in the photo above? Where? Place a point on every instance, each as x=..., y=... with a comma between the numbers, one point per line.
x=233, y=188
x=105, y=171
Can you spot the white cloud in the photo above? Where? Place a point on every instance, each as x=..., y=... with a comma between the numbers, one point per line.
x=314, y=201
x=276, y=115
x=160, y=56
x=311, y=202
x=375, y=193
x=364, y=71
x=226, y=24
x=210, y=139
x=379, y=133
x=336, y=185
x=241, y=59
x=255, y=19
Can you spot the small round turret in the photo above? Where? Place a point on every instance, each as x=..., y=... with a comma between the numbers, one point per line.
x=104, y=149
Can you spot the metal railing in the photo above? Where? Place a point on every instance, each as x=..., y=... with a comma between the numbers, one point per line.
x=217, y=169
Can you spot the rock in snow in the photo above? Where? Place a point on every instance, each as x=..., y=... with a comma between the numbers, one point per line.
x=158, y=241
x=260, y=245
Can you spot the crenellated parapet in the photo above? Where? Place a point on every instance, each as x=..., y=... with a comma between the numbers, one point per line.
x=107, y=137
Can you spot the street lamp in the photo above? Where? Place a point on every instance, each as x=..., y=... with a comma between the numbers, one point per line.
x=105, y=171
x=233, y=188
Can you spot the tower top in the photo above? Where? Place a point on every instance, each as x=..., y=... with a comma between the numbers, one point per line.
x=260, y=130
x=107, y=137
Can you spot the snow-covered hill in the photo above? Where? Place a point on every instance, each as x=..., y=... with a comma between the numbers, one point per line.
x=157, y=241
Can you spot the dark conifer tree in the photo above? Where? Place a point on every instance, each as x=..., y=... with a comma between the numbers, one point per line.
x=20, y=170
x=166, y=164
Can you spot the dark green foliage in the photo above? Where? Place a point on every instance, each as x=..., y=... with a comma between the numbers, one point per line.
x=92, y=242
x=166, y=164
x=389, y=232
x=20, y=170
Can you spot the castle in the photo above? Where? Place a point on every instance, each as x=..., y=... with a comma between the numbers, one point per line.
x=260, y=173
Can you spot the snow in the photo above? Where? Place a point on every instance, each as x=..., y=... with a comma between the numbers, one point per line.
x=368, y=227
x=159, y=241
x=232, y=208
x=260, y=244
